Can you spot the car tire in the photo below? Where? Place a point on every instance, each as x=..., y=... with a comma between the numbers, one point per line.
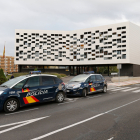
x=84, y=93
x=105, y=89
x=60, y=97
x=11, y=105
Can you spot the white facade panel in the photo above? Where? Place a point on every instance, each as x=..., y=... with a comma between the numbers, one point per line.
x=108, y=44
x=134, y=43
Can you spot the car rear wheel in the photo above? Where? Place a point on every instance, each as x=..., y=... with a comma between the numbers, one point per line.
x=84, y=93
x=104, y=89
x=60, y=97
x=11, y=105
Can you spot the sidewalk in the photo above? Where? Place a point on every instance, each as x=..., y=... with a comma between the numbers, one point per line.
x=110, y=84
x=130, y=82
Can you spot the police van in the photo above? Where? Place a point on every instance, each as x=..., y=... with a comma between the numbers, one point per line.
x=30, y=89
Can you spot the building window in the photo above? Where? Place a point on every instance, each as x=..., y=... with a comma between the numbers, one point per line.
x=123, y=45
x=119, y=46
x=124, y=27
x=119, y=28
x=109, y=29
x=118, y=51
x=124, y=56
x=37, y=53
x=85, y=55
x=105, y=53
x=118, y=57
x=118, y=40
x=114, y=33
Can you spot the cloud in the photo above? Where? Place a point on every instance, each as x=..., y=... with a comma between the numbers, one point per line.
x=61, y=15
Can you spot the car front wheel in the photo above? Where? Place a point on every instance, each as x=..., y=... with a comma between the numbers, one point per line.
x=11, y=105
x=60, y=97
x=84, y=93
x=104, y=89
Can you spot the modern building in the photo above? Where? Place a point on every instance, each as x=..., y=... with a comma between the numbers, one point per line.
x=8, y=64
x=73, y=52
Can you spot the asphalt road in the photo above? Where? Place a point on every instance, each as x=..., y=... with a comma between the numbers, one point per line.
x=102, y=116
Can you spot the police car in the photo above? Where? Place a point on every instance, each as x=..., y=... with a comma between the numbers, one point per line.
x=29, y=89
x=84, y=84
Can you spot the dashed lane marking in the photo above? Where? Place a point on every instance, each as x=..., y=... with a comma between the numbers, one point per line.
x=19, y=124
x=111, y=138
x=136, y=91
x=130, y=89
x=120, y=89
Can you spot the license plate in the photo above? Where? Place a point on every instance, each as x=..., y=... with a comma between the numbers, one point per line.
x=68, y=90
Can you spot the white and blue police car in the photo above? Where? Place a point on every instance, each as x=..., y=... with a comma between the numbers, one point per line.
x=30, y=89
x=84, y=84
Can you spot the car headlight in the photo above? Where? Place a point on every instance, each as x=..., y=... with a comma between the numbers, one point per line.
x=1, y=92
x=77, y=86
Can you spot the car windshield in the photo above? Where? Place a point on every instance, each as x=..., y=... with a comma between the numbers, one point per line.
x=13, y=81
x=79, y=78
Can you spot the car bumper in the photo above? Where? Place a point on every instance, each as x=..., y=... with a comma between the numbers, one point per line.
x=74, y=92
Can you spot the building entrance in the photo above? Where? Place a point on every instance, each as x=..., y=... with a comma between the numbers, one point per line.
x=104, y=70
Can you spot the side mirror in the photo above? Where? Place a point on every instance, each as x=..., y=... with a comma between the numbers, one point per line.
x=26, y=86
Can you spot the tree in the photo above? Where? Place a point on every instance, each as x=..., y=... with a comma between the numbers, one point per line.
x=2, y=77
x=35, y=69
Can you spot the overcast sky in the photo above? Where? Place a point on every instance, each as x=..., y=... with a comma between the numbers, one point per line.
x=61, y=15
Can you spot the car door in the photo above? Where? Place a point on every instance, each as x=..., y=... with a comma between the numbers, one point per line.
x=93, y=84
x=87, y=84
x=48, y=86
x=17, y=90
x=99, y=82
x=31, y=92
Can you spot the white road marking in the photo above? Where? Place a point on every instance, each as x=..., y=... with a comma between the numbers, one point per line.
x=22, y=123
x=21, y=111
x=136, y=91
x=66, y=102
x=111, y=138
x=120, y=88
x=130, y=89
x=112, y=88
x=75, y=124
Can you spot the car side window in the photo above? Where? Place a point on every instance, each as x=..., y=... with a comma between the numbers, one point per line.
x=20, y=84
x=98, y=78
x=47, y=80
x=57, y=80
x=93, y=78
x=87, y=80
x=33, y=81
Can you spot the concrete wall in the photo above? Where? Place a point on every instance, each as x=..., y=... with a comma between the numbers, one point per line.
x=136, y=70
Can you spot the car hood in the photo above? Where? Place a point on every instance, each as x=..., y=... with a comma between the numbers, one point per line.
x=2, y=88
x=72, y=84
